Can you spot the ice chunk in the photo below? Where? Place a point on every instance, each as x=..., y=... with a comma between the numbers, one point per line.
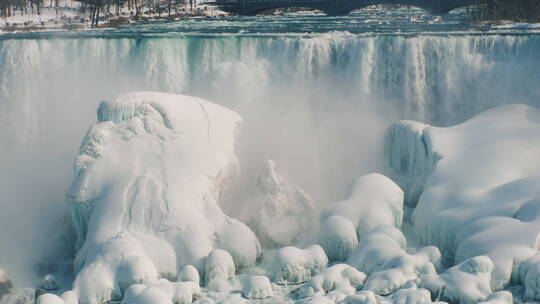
x=277, y=210
x=292, y=265
x=257, y=287
x=479, y=199
x=410, y=295
x=338, y=237
x=467, y=283
x=375, y=201
x=161, y=291
x=219, y=265
x=144, y=199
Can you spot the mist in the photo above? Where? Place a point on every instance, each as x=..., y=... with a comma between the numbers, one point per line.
x=319, y=107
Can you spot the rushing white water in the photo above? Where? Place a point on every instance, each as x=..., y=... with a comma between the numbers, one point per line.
x=317, y=104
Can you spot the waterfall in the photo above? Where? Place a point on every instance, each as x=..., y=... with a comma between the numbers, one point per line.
x=317, y=104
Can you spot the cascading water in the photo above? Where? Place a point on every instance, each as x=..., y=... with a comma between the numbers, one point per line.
x=318, y=104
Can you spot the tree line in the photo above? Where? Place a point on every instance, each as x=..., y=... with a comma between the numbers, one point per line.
x=515, y=10
x=97, y=8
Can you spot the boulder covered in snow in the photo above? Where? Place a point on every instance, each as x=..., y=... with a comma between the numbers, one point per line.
x=375, y=201
x=257, y=287
x=278, y=211
x=144, y=198
x=338, y=237
x=219, y=265
x=291, y=265
x=161, y=292
x=468, y=282
x=338, y=280
x=481, y=195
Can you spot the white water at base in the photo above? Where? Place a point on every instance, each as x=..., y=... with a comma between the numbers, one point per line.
x=318, y=105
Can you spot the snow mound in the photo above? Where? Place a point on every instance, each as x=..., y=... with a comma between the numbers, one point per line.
x=339, y=281
x=375, y=201
x=189, y=274
x=481, y=198
x=161, y=292
x=49, y=298
x=411, y=295
x=467, y=283
x=291, y=265
x=219, y=265
x=338, y=237
x=278, y=211
x=381, y=254
x=257, y=287
x=143, y=202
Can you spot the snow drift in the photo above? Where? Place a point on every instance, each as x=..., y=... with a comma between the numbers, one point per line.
x=144, y=199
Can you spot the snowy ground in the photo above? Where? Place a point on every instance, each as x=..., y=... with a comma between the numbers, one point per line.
x=148, y=226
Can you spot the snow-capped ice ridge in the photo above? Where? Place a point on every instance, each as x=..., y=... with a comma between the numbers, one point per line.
x=144, y=199
x=480, y=198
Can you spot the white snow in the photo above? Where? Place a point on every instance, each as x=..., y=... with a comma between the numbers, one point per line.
x=375, y=201
x=336, y=282
x=277, y=210
x=257, y=287
x=189, y=274
x=482, y=196
x=219, y=265
x=148, y=177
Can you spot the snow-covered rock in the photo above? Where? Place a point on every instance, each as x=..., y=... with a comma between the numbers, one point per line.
x=277, y=210
x=375, y=201
x=219, y=265
x=337, y=282
x=257, y=287
x=291, y=265
x=189, y=274
x=481, y=195
x=381, y=254
x=338, y=237
x=410, y=295
x=143, y=202
x=161, y=292
x=467, y=282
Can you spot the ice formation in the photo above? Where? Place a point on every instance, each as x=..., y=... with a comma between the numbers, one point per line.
x=292, y=265
x=338, y=237
x=161, y=292
x=143, y=202
x=499, y=297
x=189, y=274
x=277, y=210
x=468, y=282
x=482, y=196
x=375, y=201
x=257, y=287
x=219, y=265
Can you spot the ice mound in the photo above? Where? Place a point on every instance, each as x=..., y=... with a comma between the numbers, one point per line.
x=466, y=283
x=337, y=281
x=409, y=157
x=338, y=237
x=291, y=265
x=481, y=197
x=219, y=265
x=375, y=201
x=143, y=202
x=381, y=254
x=161, y=292
x=411, y=295
x=499, y=297
x=257, y=287
x=49, y=298
x=189, y=274
x=277, y=210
